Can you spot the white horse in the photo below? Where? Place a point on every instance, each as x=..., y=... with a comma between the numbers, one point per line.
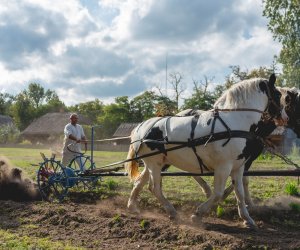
x=239, y=109
x=291, y=103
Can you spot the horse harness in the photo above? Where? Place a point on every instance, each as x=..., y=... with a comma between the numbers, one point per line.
x=204, y=140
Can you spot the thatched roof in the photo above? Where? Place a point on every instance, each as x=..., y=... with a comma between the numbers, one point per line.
x=5, y=120
x=52, y=124
x=125, y=129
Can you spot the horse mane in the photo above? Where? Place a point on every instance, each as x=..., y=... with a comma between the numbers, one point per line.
x=284, y=90
x=238, y=93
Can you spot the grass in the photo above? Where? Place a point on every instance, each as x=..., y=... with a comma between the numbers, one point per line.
x=9, y=240
x=179, y=190
x=220, y=211
x=291, y=189
x=111, y=184
x=144, y=224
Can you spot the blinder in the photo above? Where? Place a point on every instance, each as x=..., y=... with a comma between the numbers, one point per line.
x=273, y=107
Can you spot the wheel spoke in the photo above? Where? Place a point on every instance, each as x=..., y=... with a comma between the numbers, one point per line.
x=51, y=177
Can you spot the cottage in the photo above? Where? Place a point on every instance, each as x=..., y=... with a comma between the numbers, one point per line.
x=121, y=145
x=124, y=130
x=50, y=127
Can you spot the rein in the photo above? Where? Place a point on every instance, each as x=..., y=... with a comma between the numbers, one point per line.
x=243, y=109
x=191, y=143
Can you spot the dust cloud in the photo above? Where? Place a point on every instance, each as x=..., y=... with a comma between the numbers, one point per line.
x=14, y=184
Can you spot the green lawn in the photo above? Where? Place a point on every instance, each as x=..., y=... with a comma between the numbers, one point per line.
x=178, y=189
x=9, y=240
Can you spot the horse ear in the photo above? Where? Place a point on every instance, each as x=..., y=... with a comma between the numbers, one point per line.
x=272, y=80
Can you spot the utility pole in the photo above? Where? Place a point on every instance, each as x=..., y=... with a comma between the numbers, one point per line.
x=167, y=74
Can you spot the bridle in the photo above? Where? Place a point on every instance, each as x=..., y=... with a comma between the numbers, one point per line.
x=271, y=101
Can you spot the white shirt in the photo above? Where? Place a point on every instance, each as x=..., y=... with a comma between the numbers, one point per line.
x=76, y=131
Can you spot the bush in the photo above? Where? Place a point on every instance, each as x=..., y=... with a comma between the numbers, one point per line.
x=111, y=184
x=265, y=156
x=9, y=134
x=291, y=189
x=25, y=142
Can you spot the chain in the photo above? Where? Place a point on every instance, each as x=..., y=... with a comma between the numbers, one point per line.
x=281, y=156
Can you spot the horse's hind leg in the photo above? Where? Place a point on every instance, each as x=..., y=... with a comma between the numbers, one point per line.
x=237, y=177
x=139, y=183
x=155, y=188
x=230, y=188
x=207, y=190
x=204, y=186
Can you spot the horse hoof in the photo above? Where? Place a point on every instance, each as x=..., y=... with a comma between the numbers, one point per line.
x=250, y=205
x=173, y=216
x=249, y=225
x=133, y=209
x=174, y=219
x=196, y=219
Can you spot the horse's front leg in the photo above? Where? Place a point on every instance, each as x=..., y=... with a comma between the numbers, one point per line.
x=237, y=177
x=220, y=177
x=156, y=188
x=248, y=198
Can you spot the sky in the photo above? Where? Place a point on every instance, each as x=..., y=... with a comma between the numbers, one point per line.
x=87, y=49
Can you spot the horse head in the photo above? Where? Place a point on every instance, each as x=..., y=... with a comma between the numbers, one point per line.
x=274, y=107
x=291, y=102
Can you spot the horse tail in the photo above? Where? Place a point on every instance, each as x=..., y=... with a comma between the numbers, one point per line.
x=132, y=167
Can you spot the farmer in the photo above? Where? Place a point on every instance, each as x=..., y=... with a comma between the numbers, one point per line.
x=74, y=135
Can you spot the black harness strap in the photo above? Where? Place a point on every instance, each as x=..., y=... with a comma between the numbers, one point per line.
x=142, y=140
x=166, y=128
x=196, y=142
x=193, y=126
x=217, y=116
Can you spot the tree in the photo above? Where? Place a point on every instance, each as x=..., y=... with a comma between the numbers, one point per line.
x=5, y=102
x=22, y=111
x=91, y=109
x=165, y=106
x=284, y=23
x=113, y=115
x=36, y=93
x=201, y=97
x=175, y=80
x=54, y=104
x=238, y=74
x=32, y=103
x=43, y=100
x=142, y=107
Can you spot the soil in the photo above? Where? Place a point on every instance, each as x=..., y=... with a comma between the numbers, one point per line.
x=106, y=224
